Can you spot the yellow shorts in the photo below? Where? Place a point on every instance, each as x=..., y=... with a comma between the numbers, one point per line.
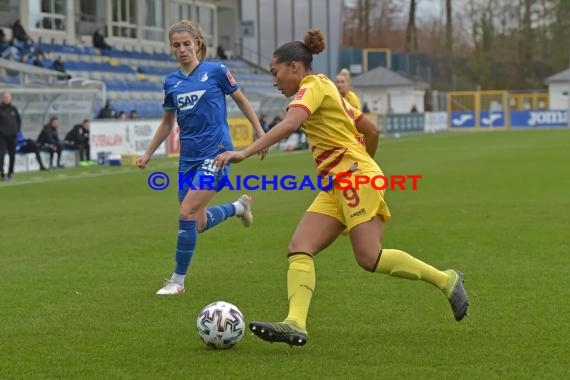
x=352, y=206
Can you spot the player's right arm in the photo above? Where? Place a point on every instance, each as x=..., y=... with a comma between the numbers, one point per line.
x=294, y=118
x=166, y=124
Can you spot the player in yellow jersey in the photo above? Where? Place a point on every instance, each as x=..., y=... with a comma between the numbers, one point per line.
x=343, y=84
x=331, y=126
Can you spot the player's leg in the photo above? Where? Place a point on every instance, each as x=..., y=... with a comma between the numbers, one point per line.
x=241, y=208
x=192, y=214
x=209, y=177
x=365, y=237
x=370, y=256
x=314, y=233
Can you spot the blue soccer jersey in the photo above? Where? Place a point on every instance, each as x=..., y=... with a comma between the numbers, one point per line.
x=199, y=100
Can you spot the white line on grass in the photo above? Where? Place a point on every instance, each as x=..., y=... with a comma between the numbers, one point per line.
x=107, y=171
x=84, y=174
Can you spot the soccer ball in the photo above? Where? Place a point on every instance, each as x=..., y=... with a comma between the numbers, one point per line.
x=220, y=325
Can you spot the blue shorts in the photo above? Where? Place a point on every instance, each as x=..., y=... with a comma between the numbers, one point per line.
x=199, y=175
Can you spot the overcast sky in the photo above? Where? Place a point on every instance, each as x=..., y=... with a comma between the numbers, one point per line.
x=428, y=8
x=425, y=8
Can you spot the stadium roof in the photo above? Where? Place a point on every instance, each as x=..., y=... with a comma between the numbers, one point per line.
x=383, y=77
x=563, y=76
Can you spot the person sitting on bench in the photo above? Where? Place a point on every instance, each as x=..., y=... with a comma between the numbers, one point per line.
x=29, y=146
x=78, y=138
x=48, y=141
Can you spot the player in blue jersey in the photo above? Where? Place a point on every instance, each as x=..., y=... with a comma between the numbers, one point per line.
x=195, y=98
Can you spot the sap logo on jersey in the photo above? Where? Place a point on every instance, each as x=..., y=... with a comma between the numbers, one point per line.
x=188, y=100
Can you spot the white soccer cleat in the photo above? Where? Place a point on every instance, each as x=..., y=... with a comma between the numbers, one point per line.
x=246, y=217
x=170, y=288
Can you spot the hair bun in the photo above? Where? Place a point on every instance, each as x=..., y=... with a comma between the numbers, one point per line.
x=315, y=41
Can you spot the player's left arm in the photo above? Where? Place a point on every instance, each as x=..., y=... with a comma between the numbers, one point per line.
x=370, y=133
x=247, y=110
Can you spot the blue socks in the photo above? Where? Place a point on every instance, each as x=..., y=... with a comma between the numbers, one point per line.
x=188, y=236
x=185, y=245
x=217, y=214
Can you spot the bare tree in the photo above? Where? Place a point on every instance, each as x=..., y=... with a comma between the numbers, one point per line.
x=411, y=30
x=449, y=28
x=495, y=44
x=372, y=23
x=363, y=18
x=560, y=34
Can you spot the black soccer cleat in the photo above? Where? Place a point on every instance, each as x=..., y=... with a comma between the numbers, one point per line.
x=279, y=332
x=456, y=295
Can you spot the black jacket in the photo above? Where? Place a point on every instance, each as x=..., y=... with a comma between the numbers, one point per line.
x=48, y=136
x=106, y=112
x=99, y=41
x=58, y=65
x=19, y=33
x=10, y=121
x=77, y=135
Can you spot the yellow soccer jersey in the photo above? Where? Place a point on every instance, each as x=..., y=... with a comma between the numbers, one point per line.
x=330, y=128
x=353, y=100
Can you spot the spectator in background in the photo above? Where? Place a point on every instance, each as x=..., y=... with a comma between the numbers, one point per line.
x=78, y=138
x=280, y=115
x=48, y=141
x=414, y=109
x=263, y=122
x=19, y=33
x=59, y=65
x=11, y=53
x=10, y=125
x=107, y=112
x=133, y=114
x=12, y=58
x=29, y=146
x=122, y=115
x=4, y=44
x=21, y=39
x=38, y=61
x=7, y=49
x=99, y=40
x=221, y=53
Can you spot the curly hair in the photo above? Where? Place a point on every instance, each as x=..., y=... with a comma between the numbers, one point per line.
x=313, y=43
x=193, y=29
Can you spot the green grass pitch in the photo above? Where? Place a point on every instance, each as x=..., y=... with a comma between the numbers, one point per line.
x=82, y=252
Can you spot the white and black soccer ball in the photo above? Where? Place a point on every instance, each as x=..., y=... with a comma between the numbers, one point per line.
x=220, y=325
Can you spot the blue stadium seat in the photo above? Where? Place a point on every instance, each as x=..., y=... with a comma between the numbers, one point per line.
x=122, y=71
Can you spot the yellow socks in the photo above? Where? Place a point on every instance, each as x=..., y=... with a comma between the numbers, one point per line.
x=301, y=279
x=400, y=264
x=300, y=287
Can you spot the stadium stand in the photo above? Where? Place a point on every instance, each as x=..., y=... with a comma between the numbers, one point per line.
x=133, y=79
